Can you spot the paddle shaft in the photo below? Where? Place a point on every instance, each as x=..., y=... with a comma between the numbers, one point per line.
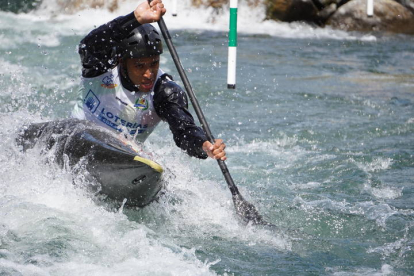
x=167, y=37
x=244, y=209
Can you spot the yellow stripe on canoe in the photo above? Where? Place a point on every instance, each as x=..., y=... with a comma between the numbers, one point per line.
x=150, y=163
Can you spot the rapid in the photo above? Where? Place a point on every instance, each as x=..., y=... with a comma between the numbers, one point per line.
x=319, y=134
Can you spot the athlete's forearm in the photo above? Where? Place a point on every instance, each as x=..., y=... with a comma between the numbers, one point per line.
x=187, y=135
x=171, y=105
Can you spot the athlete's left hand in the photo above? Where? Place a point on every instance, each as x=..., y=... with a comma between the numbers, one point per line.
x=215, y=151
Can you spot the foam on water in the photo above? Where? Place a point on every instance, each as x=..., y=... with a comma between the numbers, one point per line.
x=64, y=229
x=384, y=271
x=378, y=164
x=250, y=21
x=8, y=69
x=282, y=151
x=333, y=175
x=205, y=205
x=385, y=192
x=38, y=200
x=378, y=212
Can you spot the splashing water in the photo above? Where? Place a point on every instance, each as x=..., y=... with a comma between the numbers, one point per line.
x=319, y=134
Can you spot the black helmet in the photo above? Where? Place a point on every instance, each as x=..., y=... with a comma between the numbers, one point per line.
x=143, y=41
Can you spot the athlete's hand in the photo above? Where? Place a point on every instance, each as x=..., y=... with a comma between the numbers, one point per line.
x=149, y=12
x=215, y=151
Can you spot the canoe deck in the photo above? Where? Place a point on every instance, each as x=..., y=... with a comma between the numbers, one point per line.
x=121, y=172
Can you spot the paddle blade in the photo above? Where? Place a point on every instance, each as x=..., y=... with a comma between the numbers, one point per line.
x=247, y=211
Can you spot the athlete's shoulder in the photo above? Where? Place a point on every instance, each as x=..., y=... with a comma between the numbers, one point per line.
x=167, y=89
x=166, y=85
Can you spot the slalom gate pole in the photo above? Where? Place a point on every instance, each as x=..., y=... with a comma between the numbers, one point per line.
x=232, y=55
x=174, y=8
x=370, y=8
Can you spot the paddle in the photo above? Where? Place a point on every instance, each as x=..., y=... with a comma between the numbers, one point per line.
x=244, y=209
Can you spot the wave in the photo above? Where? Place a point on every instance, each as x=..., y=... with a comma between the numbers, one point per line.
x=19, y=6
x=251, y=20
x=42, y=207
x=385, y=270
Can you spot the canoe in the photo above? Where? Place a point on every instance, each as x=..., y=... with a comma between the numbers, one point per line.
x=121, y=171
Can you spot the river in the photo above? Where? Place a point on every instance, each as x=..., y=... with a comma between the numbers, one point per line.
x=319, y=134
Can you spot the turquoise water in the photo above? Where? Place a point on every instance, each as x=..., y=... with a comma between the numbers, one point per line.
x=319, y=137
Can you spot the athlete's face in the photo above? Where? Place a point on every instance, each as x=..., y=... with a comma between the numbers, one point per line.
x=143, y=71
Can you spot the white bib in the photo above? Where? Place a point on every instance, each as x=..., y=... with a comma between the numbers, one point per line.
x=106, y=102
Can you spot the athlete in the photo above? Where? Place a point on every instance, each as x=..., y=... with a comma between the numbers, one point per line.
x=124, y=90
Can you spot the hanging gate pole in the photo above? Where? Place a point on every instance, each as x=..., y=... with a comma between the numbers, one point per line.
x=231, y=65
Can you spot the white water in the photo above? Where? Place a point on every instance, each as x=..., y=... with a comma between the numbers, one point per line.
x=250, y=21
x=48, y=226
x=66, y=232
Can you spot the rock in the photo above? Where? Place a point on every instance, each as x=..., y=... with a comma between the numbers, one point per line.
x=291, y=10
x=221, y=3
x=71, y=6
x=389, y=16
x=327, y=12
x=216, y=4
x=409, y=4
x=320, y=4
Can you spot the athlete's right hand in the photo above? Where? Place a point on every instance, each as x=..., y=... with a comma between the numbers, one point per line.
x=149, y=12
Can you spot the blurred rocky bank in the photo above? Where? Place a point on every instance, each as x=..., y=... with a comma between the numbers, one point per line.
x=394, y=16
x=389, y=16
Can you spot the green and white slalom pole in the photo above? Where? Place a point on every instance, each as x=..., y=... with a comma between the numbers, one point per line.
x=231, y=64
